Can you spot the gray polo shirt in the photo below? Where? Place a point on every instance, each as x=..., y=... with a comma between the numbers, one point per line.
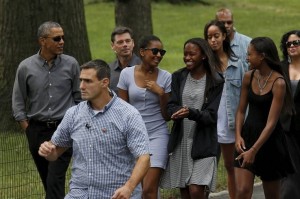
x=115, y=70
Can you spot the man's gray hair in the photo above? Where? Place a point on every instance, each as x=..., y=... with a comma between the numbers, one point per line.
x=44, y=29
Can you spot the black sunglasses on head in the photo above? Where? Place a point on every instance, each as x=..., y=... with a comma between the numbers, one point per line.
x=57, y=38
x=156, y=50
x=295, y=43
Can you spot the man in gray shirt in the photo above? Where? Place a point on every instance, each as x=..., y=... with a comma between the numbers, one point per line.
x=122, y=44
x=46, y=85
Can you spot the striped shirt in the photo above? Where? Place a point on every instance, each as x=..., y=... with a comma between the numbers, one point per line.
x=105, y=147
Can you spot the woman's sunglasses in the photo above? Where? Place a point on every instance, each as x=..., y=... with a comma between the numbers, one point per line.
x=156, y=50
x=295, y=43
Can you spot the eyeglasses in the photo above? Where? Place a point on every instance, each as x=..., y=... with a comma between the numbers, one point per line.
x=227, y=22
x=295, y=43
x=57, y=38
x=156, y=50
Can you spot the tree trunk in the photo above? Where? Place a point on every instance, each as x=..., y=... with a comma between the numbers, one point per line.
x=19, y=21
x=135, y=14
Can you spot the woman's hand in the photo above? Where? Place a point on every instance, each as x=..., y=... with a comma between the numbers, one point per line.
x=247, y=158
x=154, y=87
x=240, y=144
x=181, y=113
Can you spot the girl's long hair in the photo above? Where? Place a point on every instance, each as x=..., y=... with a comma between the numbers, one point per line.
x=212, y=61
x=226, y=43
x=266, y=46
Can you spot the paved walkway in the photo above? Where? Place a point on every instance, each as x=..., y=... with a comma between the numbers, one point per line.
x=258, y=193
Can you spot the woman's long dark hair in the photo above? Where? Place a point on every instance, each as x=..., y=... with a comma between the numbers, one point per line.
x=283, y=41
x=226, y=43
x=212, y=62
x=266, y=46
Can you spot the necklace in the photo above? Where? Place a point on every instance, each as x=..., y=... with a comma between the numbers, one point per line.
x=264, y=85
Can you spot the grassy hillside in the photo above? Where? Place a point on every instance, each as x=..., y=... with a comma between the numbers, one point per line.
x=174, y=24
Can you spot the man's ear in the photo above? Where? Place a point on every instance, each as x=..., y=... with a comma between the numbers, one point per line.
x=113, y=47
x=41, y=41
x=105, y=82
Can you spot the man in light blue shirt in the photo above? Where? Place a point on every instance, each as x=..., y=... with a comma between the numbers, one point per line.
x=109, y=140
x=238, y=42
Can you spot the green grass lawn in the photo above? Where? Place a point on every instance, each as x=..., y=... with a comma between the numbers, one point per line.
x=174, y=24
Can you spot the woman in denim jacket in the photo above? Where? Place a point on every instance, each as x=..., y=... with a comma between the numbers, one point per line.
x=233, y=71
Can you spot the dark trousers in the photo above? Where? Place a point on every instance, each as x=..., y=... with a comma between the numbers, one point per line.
x=52, y=174
x=291, y=184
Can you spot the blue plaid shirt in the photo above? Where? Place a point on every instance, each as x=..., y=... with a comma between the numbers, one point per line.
x=105, y=147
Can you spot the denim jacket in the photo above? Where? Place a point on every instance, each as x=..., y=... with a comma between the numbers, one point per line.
x=233, y=83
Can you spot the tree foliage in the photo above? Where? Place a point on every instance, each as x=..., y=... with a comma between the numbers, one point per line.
x=135, y=14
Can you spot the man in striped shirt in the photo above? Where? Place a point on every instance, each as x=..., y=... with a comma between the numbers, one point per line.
x=109, y=140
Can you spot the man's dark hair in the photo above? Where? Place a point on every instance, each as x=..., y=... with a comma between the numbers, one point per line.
x=120, y=30
x=102, y=68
